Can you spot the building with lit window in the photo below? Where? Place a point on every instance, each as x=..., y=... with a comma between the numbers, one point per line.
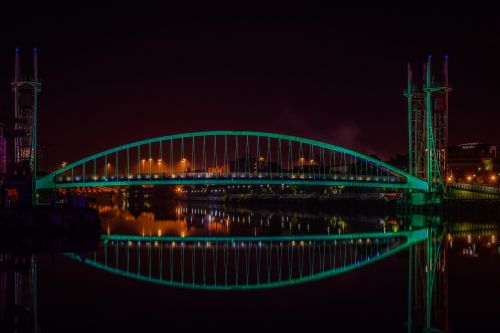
x=475, y=162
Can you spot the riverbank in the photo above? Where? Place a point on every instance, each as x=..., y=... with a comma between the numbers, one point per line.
x=59, y=219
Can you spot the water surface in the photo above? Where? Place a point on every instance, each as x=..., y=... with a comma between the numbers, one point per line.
x=167, y=265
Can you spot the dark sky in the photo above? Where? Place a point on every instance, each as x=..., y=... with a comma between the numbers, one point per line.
x=328, y=73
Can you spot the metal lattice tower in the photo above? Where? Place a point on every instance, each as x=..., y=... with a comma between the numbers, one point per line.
x=428, y=125
x=26, y=91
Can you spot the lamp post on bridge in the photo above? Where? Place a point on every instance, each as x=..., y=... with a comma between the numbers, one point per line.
x=108, y=168
x=183, y=164
x=159, y=167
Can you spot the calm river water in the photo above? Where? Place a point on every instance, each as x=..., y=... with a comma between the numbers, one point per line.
x=165, y=265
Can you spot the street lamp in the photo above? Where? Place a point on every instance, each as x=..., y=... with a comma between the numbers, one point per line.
x=159, y=166
x=493, y=179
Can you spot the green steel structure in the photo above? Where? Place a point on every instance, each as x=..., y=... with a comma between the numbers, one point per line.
x=428, y=126
x=229, y=157
x=241, y=263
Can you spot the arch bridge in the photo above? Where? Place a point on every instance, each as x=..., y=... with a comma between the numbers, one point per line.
x=229, y=157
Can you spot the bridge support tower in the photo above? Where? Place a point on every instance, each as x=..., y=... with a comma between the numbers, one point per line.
x=26, y=89
x=428, y=125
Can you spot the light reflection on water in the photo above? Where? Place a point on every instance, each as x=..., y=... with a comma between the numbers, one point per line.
x=256, y=265
x=136, y=246
x=202, y=219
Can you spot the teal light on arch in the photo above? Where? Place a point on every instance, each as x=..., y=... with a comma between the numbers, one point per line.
x=110, y=262
x=49, y=182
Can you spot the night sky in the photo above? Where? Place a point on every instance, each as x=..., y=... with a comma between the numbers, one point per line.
x=334, y=74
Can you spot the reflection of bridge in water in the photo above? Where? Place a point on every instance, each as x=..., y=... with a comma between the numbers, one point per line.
x=226, y=263
x=263, y=262
x=428, y=251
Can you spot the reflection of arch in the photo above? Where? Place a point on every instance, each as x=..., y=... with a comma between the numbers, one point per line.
x=226, y=263
x=230, y=157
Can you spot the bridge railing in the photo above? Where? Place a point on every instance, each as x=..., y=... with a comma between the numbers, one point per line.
x=230, y=176
x=479, y=188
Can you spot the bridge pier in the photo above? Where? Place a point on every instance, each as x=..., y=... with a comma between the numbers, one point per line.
x=420, y=203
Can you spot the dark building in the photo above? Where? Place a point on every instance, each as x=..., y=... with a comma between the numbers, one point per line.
x=473, y=162
x=3, y=162
x=3, y=151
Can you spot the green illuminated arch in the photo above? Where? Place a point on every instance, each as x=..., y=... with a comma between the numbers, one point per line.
x=411, y=181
